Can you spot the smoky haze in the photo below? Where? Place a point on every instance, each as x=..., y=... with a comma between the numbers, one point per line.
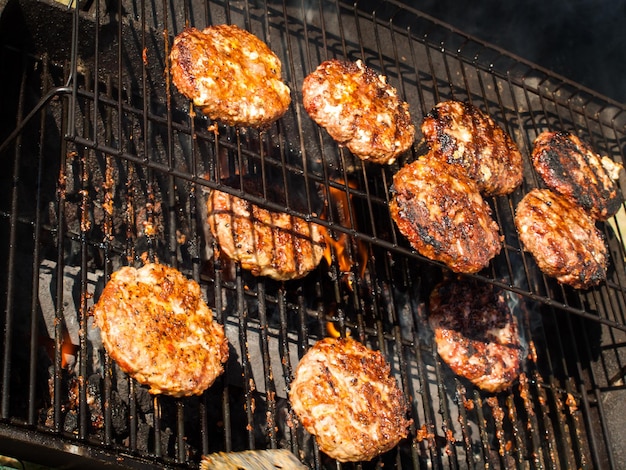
x=583, y=40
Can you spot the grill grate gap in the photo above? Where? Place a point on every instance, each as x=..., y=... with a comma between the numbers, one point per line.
x=118, y=170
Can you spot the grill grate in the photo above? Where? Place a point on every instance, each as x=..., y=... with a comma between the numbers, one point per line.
x=108, y=165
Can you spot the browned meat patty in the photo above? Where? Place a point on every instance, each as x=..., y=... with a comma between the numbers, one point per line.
x=476, y=333
x=443, y=215
x=570, y=167
x=344, y=395
x=562, y=238
x=465, y=136
x=156, y=326
x=230, y=74
x=359, y=109
x=267, y=243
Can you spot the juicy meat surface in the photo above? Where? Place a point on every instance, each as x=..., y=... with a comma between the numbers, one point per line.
x=359, y=109
x=230, y=74
x=267, y=243
x=444, y=217
x=463, y=135
x=476, y=333
x=344, y=395
x=562, y=238
x=156, y=326
x=570, y=167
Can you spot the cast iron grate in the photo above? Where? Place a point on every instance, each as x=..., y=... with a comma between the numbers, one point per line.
x=108, y=165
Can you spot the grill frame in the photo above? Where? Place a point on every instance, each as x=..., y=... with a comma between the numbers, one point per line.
x=85, y=103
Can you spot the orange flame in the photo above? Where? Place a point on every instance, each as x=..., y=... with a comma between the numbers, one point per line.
x=68, y=351
x=332, y=330
x=341, y=245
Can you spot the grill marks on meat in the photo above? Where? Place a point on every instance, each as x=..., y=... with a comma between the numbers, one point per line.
x=562, y=238
x=343, y=394
x=267, y=243
x=443, y=215
x=463, y=135
x=570, y=167
x=156, y=326
x=230, y=74
x=359, y=109
x=476, y=333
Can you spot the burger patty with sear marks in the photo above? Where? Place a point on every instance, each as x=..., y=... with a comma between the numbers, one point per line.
x=230, y=74
x=570, y=167
x=562, y=238
x=359, y=109
x=267, y=243
x=443, y=215
x=476, y=333
x=343, y=393
x=463, y=135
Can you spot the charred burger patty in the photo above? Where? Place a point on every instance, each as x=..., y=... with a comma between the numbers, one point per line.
x=476, y=333
x=359, y=109
x=570, y=167
x=230, y=74
x=344, y=395
x=443, y=215
x=463, y=135
x=156, y=326
x=562, y=238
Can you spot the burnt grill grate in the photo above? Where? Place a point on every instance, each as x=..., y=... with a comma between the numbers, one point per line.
x=104, y=163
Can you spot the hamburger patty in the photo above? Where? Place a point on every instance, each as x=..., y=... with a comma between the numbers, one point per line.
x=463, y=135
x=344, y=395
x=230, y=74
x=156, y=326
x=570, y=167
x=443, y=215
x=267, y=243
x=359, y=109
x=476, y=333
x=562, y=238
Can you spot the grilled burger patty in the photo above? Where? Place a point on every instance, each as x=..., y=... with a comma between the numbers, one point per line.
x=562, y=238
x=230, y=74
x=344, y=395
x=156, y=326
x=463, y=135
x=267, y=243
x=570, y=167
x=443, y=215
x=476, y=333
x=359, y=109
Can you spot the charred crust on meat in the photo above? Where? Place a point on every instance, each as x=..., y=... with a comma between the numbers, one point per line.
x=461, y=134
x=359, y=110
x=230, y=74
x=562, y=238
x=443, y=216
x=476, y=333
x=362, y=414
x=569, y=166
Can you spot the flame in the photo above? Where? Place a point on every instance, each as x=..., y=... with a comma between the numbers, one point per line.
x=332, y=330
x=340, y=246
x=68, y=351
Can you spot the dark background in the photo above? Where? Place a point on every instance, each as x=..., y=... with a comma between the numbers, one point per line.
x=583, y=40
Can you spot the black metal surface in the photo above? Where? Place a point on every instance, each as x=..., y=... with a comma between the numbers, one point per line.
x=103, y=165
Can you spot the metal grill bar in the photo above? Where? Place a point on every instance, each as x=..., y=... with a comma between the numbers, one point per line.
x=126, y=137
